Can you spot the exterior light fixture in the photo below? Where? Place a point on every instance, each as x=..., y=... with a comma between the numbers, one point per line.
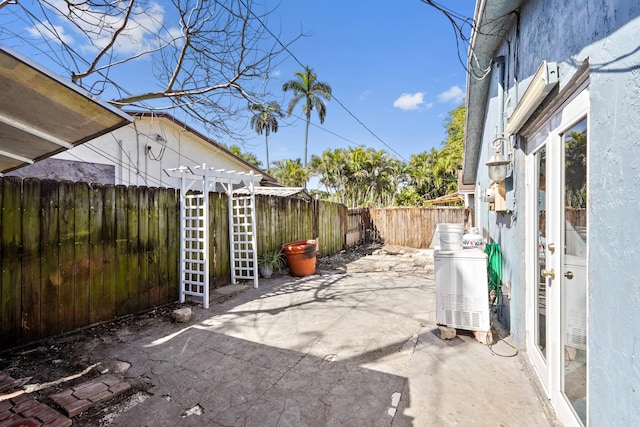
x=541, y=85
x=498, y=164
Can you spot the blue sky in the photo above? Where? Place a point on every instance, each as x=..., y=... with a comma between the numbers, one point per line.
x=393, y=65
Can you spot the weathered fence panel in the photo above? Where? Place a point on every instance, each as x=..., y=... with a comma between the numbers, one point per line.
x=10, y=249
x=81, y=277
x=74, y=254
x=49, y=264
x=31, y=289
x=96, y=256
x=172, y=237
x=412, y=227
x=356, y=233
x=109, y=241
x=281, y=220
x=332, y=223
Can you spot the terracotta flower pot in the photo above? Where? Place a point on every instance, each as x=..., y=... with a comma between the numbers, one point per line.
x=301, y=257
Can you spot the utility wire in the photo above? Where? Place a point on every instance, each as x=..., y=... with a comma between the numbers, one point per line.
x=286, y=49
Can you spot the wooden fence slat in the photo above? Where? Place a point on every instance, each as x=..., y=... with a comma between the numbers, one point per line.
x=142, y=249
x=49, y=258
x=110, y=262
x=153, y=259
x=162, y=251
x=122, y=251
x=31, y=287
x=10, y=245
x=81, y=270
x=97, y=301
x=173, y=244
x=67, y=253
x=132, y=303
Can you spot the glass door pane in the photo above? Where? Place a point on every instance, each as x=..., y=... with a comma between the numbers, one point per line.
x=541, y=242
x=574, y=280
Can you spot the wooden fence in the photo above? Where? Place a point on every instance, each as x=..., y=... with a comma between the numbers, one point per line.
x=357, y=222
x=74, y=254
x=412, y=227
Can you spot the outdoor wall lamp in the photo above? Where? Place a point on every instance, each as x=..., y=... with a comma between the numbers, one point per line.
x=541, y=85
x=497, y=164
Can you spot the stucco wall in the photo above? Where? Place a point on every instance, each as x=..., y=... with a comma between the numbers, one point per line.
x=504, y=228
x=608, y=33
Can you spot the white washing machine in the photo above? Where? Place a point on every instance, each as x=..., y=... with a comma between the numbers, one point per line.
x=462, y=294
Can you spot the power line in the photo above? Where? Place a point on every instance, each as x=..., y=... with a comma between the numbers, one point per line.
x=286, y=49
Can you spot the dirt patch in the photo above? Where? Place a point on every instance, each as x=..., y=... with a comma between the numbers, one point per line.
x=52, y=365
x=339, y=261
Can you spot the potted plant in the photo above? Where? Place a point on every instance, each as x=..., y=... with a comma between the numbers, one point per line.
x=268, y=262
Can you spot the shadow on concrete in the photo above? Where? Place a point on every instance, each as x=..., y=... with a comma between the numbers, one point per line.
x=240, y=382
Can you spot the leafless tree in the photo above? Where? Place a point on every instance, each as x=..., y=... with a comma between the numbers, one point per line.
x=207, y=58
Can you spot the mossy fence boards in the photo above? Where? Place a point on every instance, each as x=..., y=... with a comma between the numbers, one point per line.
x=74, y=254
x=283, y=220
x=412, y=227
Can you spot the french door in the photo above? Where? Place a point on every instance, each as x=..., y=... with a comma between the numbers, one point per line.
x=557, y=282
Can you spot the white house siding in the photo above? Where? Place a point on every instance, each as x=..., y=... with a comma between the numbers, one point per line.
x=607, y=32
x=141, y=151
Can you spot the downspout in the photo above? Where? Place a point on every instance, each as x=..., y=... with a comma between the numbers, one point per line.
x=500, y=63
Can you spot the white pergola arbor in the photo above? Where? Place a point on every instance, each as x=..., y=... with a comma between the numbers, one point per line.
x=196, y=184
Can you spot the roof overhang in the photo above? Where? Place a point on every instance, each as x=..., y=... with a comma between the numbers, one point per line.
x=492, y=19
x=41, y=114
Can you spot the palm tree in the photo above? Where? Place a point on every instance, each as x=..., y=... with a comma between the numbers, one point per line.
x=265, y=119
x=290, y=173
x=308, y=87
x=330, y=167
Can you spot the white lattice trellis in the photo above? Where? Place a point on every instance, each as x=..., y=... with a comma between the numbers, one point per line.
x=243, y=238
x=196, y=183
x=195, y=250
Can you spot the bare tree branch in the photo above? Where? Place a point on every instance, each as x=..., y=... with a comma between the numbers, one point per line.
x=205, y=58
x=76, y=76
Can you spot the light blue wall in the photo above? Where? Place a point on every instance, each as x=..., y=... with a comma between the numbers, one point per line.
x=608, y=33
x=504, y=228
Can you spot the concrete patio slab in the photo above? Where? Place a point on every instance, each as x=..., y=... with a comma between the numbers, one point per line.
x=357, y=344
x=353, y=349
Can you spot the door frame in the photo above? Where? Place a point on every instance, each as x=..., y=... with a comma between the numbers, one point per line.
x=549, y=135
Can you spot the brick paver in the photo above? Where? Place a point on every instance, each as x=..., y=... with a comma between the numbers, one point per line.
x=23, y=410
x=6, y=382
x=83, y=396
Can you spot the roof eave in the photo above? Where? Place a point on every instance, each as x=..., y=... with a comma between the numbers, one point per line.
x=42, y=114
x=498, y=16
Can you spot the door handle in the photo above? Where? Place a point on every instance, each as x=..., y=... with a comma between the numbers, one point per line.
x=552, y=247
x=569, y=275
x=548, y=273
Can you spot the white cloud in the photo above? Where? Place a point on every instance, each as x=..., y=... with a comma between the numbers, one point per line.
x=50, y=32
x=141, y=33
x=453, y=94
x=366, y=94
x=409, y=101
